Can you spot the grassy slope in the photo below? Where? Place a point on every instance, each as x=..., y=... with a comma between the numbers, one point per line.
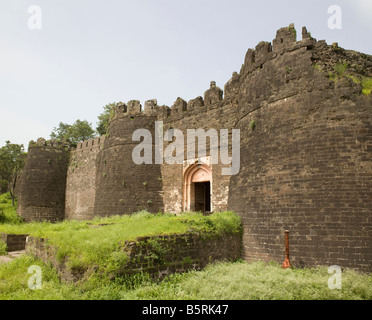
x=98, y=242
x=255, y=281
x=87, y=243
x=221, y=281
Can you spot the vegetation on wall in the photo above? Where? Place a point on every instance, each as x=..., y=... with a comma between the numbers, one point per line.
x=252, y=125
x=342, y=70
x=366, y=85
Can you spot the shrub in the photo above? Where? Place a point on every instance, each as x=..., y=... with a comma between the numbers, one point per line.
x=340, y=68
x=367, y=85
x=252, y=125
x=8, y=213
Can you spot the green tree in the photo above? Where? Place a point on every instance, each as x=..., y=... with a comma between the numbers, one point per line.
x=77, y=132
x=3, y=184
x=104, y=117
x=12, y=160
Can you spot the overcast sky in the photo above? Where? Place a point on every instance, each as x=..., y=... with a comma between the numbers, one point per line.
x=89, y=53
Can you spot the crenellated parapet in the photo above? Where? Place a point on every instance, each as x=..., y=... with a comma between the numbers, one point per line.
x=213, y=95
x=195, y=104
x=303, y=112
x=213, y=98
x=285, y=38
x=151, y=107
x=89, y=145
x=133, y=108
x=232, y=87
x=285, y=41
x=179, y=106
x=263, y=51
x=50, y=144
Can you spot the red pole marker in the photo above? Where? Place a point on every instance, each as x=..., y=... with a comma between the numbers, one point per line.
x=286, y=264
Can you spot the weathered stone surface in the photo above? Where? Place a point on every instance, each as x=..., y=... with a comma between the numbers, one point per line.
x=306, y=163
x=213, y=95
x=157, y=255
x=81, y=180
x=122, y=186
x=42, y=184
x=14, y=242
x=195, y=103
x=150, y=107
x=306, y=166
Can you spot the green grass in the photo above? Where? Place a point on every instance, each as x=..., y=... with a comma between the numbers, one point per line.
x=220, y=281
x=8, y=213
x=88, y=243
x=14, y=282
x=366, y=85
x=255, y=281
x=3, y=248
x=252, y=125
x=85, y=244
x=340, y=70
x=365, y=82
x=98, y=242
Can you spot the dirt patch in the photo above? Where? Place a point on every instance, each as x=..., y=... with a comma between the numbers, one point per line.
x=11, y=256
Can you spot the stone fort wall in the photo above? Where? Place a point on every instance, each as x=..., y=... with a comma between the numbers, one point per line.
x=42, y=185
x=81, y=180
x=307, y=165
x=306, y=154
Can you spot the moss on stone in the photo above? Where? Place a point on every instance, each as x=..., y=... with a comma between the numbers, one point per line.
x=366, y=85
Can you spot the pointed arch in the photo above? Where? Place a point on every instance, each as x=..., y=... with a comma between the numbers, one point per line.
x=195, y=175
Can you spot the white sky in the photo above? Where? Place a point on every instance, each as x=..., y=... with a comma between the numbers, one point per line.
x=93, y=52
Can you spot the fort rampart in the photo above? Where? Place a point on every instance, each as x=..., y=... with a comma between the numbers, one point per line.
x=305, y=120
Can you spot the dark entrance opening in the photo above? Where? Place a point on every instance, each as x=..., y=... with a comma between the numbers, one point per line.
x=203, y=196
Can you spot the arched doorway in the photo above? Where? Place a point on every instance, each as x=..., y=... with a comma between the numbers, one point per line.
x=197, y=188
